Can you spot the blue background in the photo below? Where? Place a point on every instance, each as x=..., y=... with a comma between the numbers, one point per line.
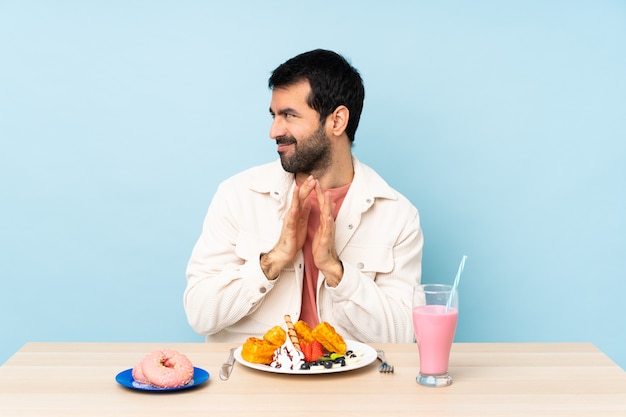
x=502, y=121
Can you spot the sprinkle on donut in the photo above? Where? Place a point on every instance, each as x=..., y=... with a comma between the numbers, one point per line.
x=164, y=368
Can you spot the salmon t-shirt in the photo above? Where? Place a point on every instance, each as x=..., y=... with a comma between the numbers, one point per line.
x=308, y=312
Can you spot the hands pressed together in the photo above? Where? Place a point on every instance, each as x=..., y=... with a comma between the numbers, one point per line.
x=294, y=232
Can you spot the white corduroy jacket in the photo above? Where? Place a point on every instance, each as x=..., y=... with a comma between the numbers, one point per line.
x=378, y=239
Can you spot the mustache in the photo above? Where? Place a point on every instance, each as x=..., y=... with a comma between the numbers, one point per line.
x=285, y=140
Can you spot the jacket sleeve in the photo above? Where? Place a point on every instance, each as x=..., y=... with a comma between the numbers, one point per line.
x=223, y=284
x=376, y=307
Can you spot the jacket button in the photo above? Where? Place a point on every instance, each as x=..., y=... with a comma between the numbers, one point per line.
x=350, y=227
x=360, y=265
x=262, y=290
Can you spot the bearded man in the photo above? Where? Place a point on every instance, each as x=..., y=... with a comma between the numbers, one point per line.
x=316, y=234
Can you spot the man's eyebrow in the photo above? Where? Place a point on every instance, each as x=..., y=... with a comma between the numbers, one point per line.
x=287, y=110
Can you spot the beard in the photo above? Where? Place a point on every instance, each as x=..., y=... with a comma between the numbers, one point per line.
x=310, y=155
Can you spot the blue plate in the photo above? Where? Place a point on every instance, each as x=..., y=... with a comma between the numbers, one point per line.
x=125, y=378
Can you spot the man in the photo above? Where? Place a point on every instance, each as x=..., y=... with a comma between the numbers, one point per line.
x=318, y=235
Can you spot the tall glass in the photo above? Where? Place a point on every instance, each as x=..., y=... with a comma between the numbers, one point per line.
x=434, y=320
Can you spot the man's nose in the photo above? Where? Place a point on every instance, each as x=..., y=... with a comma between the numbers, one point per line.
x=277, y=128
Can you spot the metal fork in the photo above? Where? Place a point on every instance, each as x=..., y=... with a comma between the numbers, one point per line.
x=384, y=366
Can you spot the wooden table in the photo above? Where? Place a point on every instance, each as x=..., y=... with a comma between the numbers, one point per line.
x=518, y=379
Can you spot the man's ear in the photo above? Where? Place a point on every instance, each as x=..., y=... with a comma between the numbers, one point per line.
x=339, y=120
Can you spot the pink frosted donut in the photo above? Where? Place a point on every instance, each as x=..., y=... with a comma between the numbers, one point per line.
x=138, y=374
x=167, y=368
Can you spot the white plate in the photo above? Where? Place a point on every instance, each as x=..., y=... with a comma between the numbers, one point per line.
x=369, y=356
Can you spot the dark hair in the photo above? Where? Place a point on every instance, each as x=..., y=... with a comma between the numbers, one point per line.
x=334, y=82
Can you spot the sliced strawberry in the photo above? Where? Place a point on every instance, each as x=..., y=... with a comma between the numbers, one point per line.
x=316, y=350
x=306, y=349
